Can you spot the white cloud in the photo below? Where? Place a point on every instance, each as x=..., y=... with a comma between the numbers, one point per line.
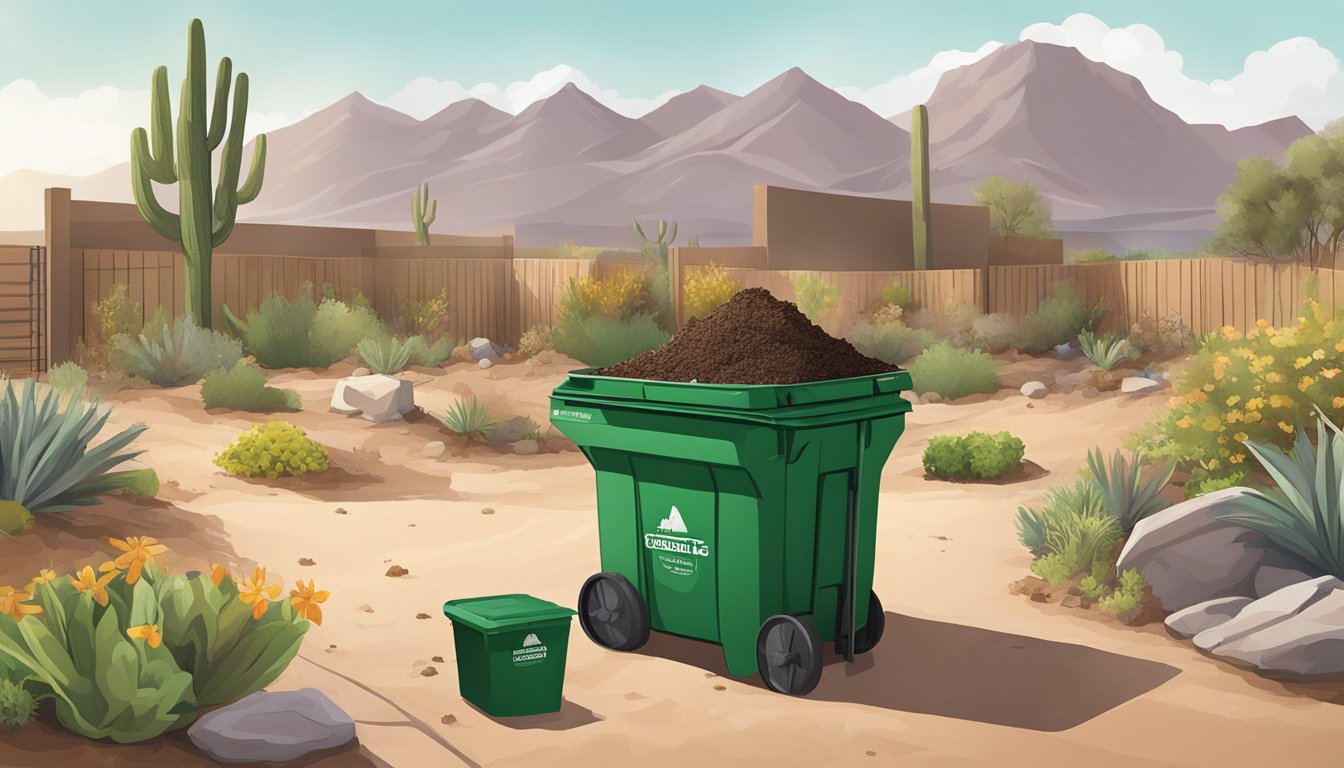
x=902, y=92
x=424, y=96
x=83, y=134
x=1294, y=77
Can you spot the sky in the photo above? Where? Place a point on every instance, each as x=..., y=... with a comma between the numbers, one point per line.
x=74, y=76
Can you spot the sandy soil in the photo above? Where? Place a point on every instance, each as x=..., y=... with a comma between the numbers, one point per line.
x=967, y=674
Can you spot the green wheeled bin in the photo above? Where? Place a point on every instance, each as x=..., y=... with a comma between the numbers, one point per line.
x=744, y=515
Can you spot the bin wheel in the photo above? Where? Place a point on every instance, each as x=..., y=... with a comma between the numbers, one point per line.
x=867, y=636
x=612, y=613
x=788, y=653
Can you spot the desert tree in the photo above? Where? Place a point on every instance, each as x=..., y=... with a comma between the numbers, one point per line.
x=1016, y=209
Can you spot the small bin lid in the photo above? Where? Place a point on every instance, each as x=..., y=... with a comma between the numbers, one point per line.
x=497, y=612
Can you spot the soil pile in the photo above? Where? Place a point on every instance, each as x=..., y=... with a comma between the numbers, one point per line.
x=753, y=339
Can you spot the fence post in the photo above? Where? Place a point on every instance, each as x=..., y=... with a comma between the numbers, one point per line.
x=674, y=276
x=65, y=280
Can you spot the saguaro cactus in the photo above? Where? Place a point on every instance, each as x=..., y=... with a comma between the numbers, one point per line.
x=920, y=208
x=423, y=213
x=657, y=249
x=202, y=222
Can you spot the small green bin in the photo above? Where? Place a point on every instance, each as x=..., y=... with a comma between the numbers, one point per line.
x=510, y=652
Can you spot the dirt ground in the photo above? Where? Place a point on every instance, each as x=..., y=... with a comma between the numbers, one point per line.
x=967, y=674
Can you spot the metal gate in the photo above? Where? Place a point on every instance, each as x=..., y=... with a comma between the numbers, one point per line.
x=23, y=278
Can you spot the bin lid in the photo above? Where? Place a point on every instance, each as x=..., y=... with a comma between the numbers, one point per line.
x=504, y=611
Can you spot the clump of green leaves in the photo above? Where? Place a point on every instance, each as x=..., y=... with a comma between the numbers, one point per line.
x=898, y=294
x=953, y=373
x=890, y=342
x=244, y=388
x=1127, y=599
x=18, y=706
x=388, y=354
x=1106, y=351
x=973, y=456
x=815, y=297
x=1057, y=320
x=68, y=378
x=600, y=341
x=469, y=418
x=175, y=354
x=301, y=333
x=1126, y=494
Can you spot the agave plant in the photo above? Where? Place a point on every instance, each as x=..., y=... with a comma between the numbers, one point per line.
x=46, y=462
x=1302, y=513
x=176, y=355
x=388, y=354
x=1034, y=527
x=1125, y=494
x=468, y=418
x=1106, y=351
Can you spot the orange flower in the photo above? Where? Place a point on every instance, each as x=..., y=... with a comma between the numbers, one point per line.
x=43, y=576
x=12, y=604
x=257, y=593
x=307, y=601
x=96, y=586
x=218, y=573
x=137, y=551
x=147, y=632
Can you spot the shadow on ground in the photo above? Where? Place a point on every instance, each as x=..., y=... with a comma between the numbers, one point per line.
x=967, y=673
x=571, y=715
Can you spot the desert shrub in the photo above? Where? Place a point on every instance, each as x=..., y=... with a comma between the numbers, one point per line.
x=1057, y=320
x=954, y=323
x=428, y=318
x=15, y=519
x=135, y=652
x=1301, y=511
x=176, y=354
x=1107, y=351
x=433, y=355
x=885, y=314
x=60, y=469
x=1254, y=387
x=142, y=483
x=116, y=314
x=274, y=449
x=706, y=288
x=535, y=340
x=388, y=354
x=302, y=333
x=1080, y=538
x=815, y=297
x=18, y=706
x=469, y=418
x=624, y=294
x=1093, y=256
x=1036, y=529
x=1165, y=336
x=973, y=456
x=898, y=294
x=1196, y=487
x=890, y=342
x=1125, y=494
x=68, y=378
x=243, y=388
x=1127, y=598
x=952, y=372
x=1053, y=569
x=601, y=341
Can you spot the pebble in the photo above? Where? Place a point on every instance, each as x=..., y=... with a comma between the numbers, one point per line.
x=365, y=608
x=428, y=672
x=448, y=719
x=485, y=362
x=341, y=511
x=439, y=659
x=423, y=616
x=307, y=561
x=488, y=511
x=397, y=571
x=433, y=449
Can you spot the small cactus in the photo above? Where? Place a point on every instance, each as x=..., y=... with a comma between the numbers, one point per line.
x=423, y=213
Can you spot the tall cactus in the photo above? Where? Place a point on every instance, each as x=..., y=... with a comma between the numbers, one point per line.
x=423, y=213
x=920, y=209
x=202, y=222
x=656, y=249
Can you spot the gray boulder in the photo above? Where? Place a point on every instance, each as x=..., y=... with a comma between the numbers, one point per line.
x=1297, y=632
x=485, y=349
x=1137, y=385
x=1034, y=390
x=1073, y=379
x=378, y=397
x=272, y=727
x=1066, y=350
x=1189, y=622
x=1189, y=557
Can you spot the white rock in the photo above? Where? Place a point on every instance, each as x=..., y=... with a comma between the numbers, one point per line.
x=379, y=397
x=272, y=727
x=1188, y=622
x=1138, y=384
x=485, y=362
x=338, y=403
x=485, y=349
x=526, y=447
x=434, y=449
x=361, y=372
x=1297, y=631
x=1034, y=389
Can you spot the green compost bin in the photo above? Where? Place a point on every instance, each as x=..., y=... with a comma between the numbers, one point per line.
x=510, y=652
x=740, y=515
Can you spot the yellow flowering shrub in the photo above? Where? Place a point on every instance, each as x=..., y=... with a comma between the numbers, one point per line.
x=273, y=449
x=1256, y=386
x=617, y=296
x=706, y=288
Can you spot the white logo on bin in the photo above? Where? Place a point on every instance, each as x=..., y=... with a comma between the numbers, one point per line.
x=565, y=413
x=532, y=652
x=676, y=553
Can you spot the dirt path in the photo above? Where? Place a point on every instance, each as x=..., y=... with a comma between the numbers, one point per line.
x=967, y=674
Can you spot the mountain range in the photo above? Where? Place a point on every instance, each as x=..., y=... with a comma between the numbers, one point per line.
x=1119, y=170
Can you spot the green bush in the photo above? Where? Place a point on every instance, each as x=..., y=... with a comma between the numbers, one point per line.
x=388, y=354
x=1092, y=256
x=1053, y=569
x=433, y=355
x=535, y=340
x=273, y=449
x=1199, y=486
x=1126, y=496
x=243, y=388
x=300, y=333
x=815, y=297
x=898, y=294
x=469, y=419
x=59, y=468
x=1127, y=599
x=973, y=456
x=952, y=372
x=175, y=354
x=135, y=653
x=142, y=483
x=68, y=378
x=600, y=341
x=1033, y=526
x=1107, y=351
x=15, y=519
x=991, y=333
x=890, y=342
x=1057, y=320
x=18, y=706
x=1080, y=538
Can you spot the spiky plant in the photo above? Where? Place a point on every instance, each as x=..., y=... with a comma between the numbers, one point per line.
x=178, y=354
x=1106, y=351
x=389, y=354
x=1125, y=494
x=468, y=418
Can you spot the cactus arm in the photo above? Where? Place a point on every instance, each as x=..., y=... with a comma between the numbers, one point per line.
x=638, y=229
x=235, y=327
x=159, y=162
x=256, y=172
x=158, y=217
x=662, y=229
x=673, y=238
x=192, y=104
x=433, y=212
x=219, y=113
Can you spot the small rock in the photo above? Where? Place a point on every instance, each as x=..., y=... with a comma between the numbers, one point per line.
x=428, y=672
x=361, y=372
x=439, y=659
x=1033, y=389
x=307, y=561
x=365, y=608
x=488, y=511
x=720, y=687
x=342, y=511
x=1135, y=385
x=484, y=362
x=526, y=447
x=1090, y=392
x=1072, y=601
x=1072, y=379
x=1038, y=597
x=434, y=449
x=1066, y=351
x=403, y=431
x=448, y=719
x=397, y=571
x=330, y=648
x=484, y=349
x=930, y=397
x=272, y=727
x=423, y=616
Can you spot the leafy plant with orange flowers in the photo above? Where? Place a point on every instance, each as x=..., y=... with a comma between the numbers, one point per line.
x=128, y=651
x=1255, y=387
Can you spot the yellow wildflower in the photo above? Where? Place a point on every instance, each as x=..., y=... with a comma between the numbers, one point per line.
x=43, y=576
x=1232, y=416
x=1286, y=427
x=1197, y=396
x=1212, y=423
x=1262, y=323
x=93, y=585
x=1280, y=401
x=137, y=551
x=1176, y=401
x=12, y=604
x=1185, y=421
x=1237, y=458
x=307, y=601
x=1329, y=373
x=1252, y=417
x=1301, y=362
x=1318, y=354
x=1241, y=437
x=1274, y=377
x=1304, y=382
x=1339, y=346
x=147, y=632
x=1338, y=402
x=257, y=593
x=1233, y=400
x=1255, y=403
